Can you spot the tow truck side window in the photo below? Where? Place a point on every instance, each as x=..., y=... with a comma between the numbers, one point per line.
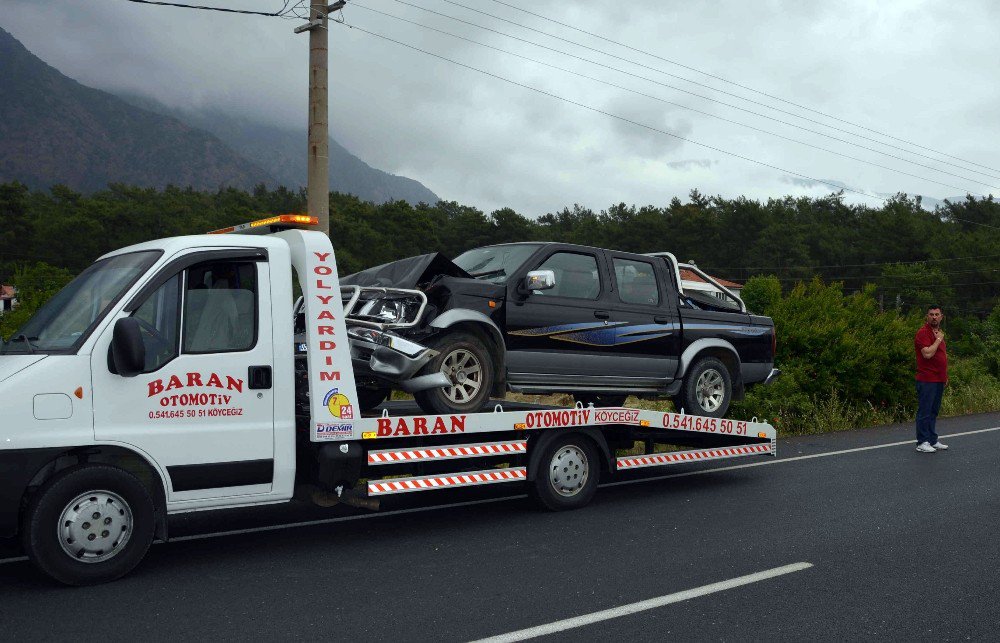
x=159, y=323
x=219, y=312
x=220, y=307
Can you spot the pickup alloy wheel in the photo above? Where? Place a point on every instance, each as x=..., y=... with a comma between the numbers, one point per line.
x=469, y=366
x=708, y=389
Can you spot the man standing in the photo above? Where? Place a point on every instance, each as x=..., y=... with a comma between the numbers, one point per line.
x=932, y=374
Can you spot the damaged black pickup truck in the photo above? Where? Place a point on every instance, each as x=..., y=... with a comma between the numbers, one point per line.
x=551, y=318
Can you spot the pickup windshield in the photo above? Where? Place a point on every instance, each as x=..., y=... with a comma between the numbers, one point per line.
x=65, y=321
x=495, y=263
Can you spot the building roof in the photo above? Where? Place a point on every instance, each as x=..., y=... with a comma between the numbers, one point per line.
x=688, y=275
x=7, y=292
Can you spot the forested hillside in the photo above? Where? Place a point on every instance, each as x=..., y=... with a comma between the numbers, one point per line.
x=914, y=257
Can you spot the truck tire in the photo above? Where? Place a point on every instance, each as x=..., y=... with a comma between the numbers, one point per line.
x=464, y=358
x=369, y=398
x=600, y=399
x=569, y=471
x=89, y=524
x=707, y=390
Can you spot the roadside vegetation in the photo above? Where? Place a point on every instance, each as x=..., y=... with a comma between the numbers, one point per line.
x=846, y=284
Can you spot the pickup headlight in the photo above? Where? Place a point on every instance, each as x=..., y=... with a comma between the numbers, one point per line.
x=389, y=310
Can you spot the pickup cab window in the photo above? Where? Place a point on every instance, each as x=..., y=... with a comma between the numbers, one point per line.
x=636, y=282
x=576, y=276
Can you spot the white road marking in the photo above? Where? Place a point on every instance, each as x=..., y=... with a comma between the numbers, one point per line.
x=765, y=463
x=326, y=521
x=642, y=606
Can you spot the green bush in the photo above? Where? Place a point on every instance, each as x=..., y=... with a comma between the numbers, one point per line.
x=845, y=364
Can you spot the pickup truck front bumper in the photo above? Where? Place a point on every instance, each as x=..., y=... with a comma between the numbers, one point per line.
x=393, y=359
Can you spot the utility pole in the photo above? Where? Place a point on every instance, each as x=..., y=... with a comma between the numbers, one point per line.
x=318, y=173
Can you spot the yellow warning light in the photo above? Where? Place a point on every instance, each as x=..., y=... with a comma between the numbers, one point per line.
x=643, y=422
x=368, y=435
x=520, y=426
x=281, y=219
x=761, y=435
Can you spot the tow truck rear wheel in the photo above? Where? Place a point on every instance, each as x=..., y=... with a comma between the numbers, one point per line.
x=464, y=358
x=708, y=389
x=89, y=524
x=570, y=474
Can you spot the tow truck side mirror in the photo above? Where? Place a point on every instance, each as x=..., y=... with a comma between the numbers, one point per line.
x=128, y=353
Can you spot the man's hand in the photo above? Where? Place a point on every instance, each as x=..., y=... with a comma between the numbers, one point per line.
x=939, y=334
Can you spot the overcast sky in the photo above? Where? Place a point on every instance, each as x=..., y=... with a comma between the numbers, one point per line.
x=921, y=71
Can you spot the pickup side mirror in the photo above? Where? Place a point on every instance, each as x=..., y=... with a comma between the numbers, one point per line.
x=540, y=280
x=128, y=353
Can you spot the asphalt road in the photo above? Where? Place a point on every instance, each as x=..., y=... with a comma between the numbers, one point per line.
x=902, y=546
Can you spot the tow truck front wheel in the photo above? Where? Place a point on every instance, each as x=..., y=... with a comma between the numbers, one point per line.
x=570, y=474
x=89, y=524
x=468, y=364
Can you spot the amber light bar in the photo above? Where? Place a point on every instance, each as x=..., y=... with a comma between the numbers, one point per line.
x=281, y=219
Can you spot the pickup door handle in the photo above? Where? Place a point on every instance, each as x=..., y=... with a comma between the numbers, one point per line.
x=259, y=377
x=660, y=319
x=602, y=314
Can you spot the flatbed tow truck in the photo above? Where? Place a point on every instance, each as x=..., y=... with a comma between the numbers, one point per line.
x=162, y=380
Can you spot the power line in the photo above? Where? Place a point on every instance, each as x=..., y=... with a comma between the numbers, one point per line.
x=665, y=73
x=725, y=80
x=882, y=277
x=709, y=114
x=281, y=13
x=709, y=98
x=616, y=116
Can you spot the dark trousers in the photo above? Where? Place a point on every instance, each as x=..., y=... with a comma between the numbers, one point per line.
x=928, y=404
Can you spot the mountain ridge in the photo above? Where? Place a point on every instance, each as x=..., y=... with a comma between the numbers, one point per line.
x=56, y=130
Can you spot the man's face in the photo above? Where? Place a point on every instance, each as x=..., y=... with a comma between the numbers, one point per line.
x=934, y=317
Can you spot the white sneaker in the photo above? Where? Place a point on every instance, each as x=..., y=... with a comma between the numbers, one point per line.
x=940, y=446
x=925, y=447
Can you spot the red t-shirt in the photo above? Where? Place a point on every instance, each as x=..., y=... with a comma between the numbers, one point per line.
x=934, y=369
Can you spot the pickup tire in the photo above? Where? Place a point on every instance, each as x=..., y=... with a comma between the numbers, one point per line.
x=468, y=363
x=707, y=390
x=568, y=474
x=89, y=524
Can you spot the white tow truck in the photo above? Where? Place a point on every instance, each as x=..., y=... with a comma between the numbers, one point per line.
x=162, y=380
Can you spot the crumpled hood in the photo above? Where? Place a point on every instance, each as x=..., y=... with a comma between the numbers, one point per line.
x=406, y=273
x=11, y=364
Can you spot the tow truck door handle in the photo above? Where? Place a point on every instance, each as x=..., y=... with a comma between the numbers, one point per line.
x=602, y=314
x=259, y=377
x=660, y=319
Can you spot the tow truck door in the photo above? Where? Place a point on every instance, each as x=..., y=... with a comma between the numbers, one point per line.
x=203, y=410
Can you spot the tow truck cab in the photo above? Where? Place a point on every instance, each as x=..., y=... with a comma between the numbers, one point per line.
x=175, y=357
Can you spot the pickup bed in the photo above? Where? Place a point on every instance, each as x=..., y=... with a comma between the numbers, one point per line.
x=551, y=318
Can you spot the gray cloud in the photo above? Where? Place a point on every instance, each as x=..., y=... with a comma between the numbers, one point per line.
x=915, y=71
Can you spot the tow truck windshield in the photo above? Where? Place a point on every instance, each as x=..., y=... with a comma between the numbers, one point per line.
x=65, y=321
x=495, y=263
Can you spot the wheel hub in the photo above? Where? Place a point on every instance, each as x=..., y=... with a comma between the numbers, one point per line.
x=95, y=526
x=465, y=371
x=568, y=470
x=710, y=390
